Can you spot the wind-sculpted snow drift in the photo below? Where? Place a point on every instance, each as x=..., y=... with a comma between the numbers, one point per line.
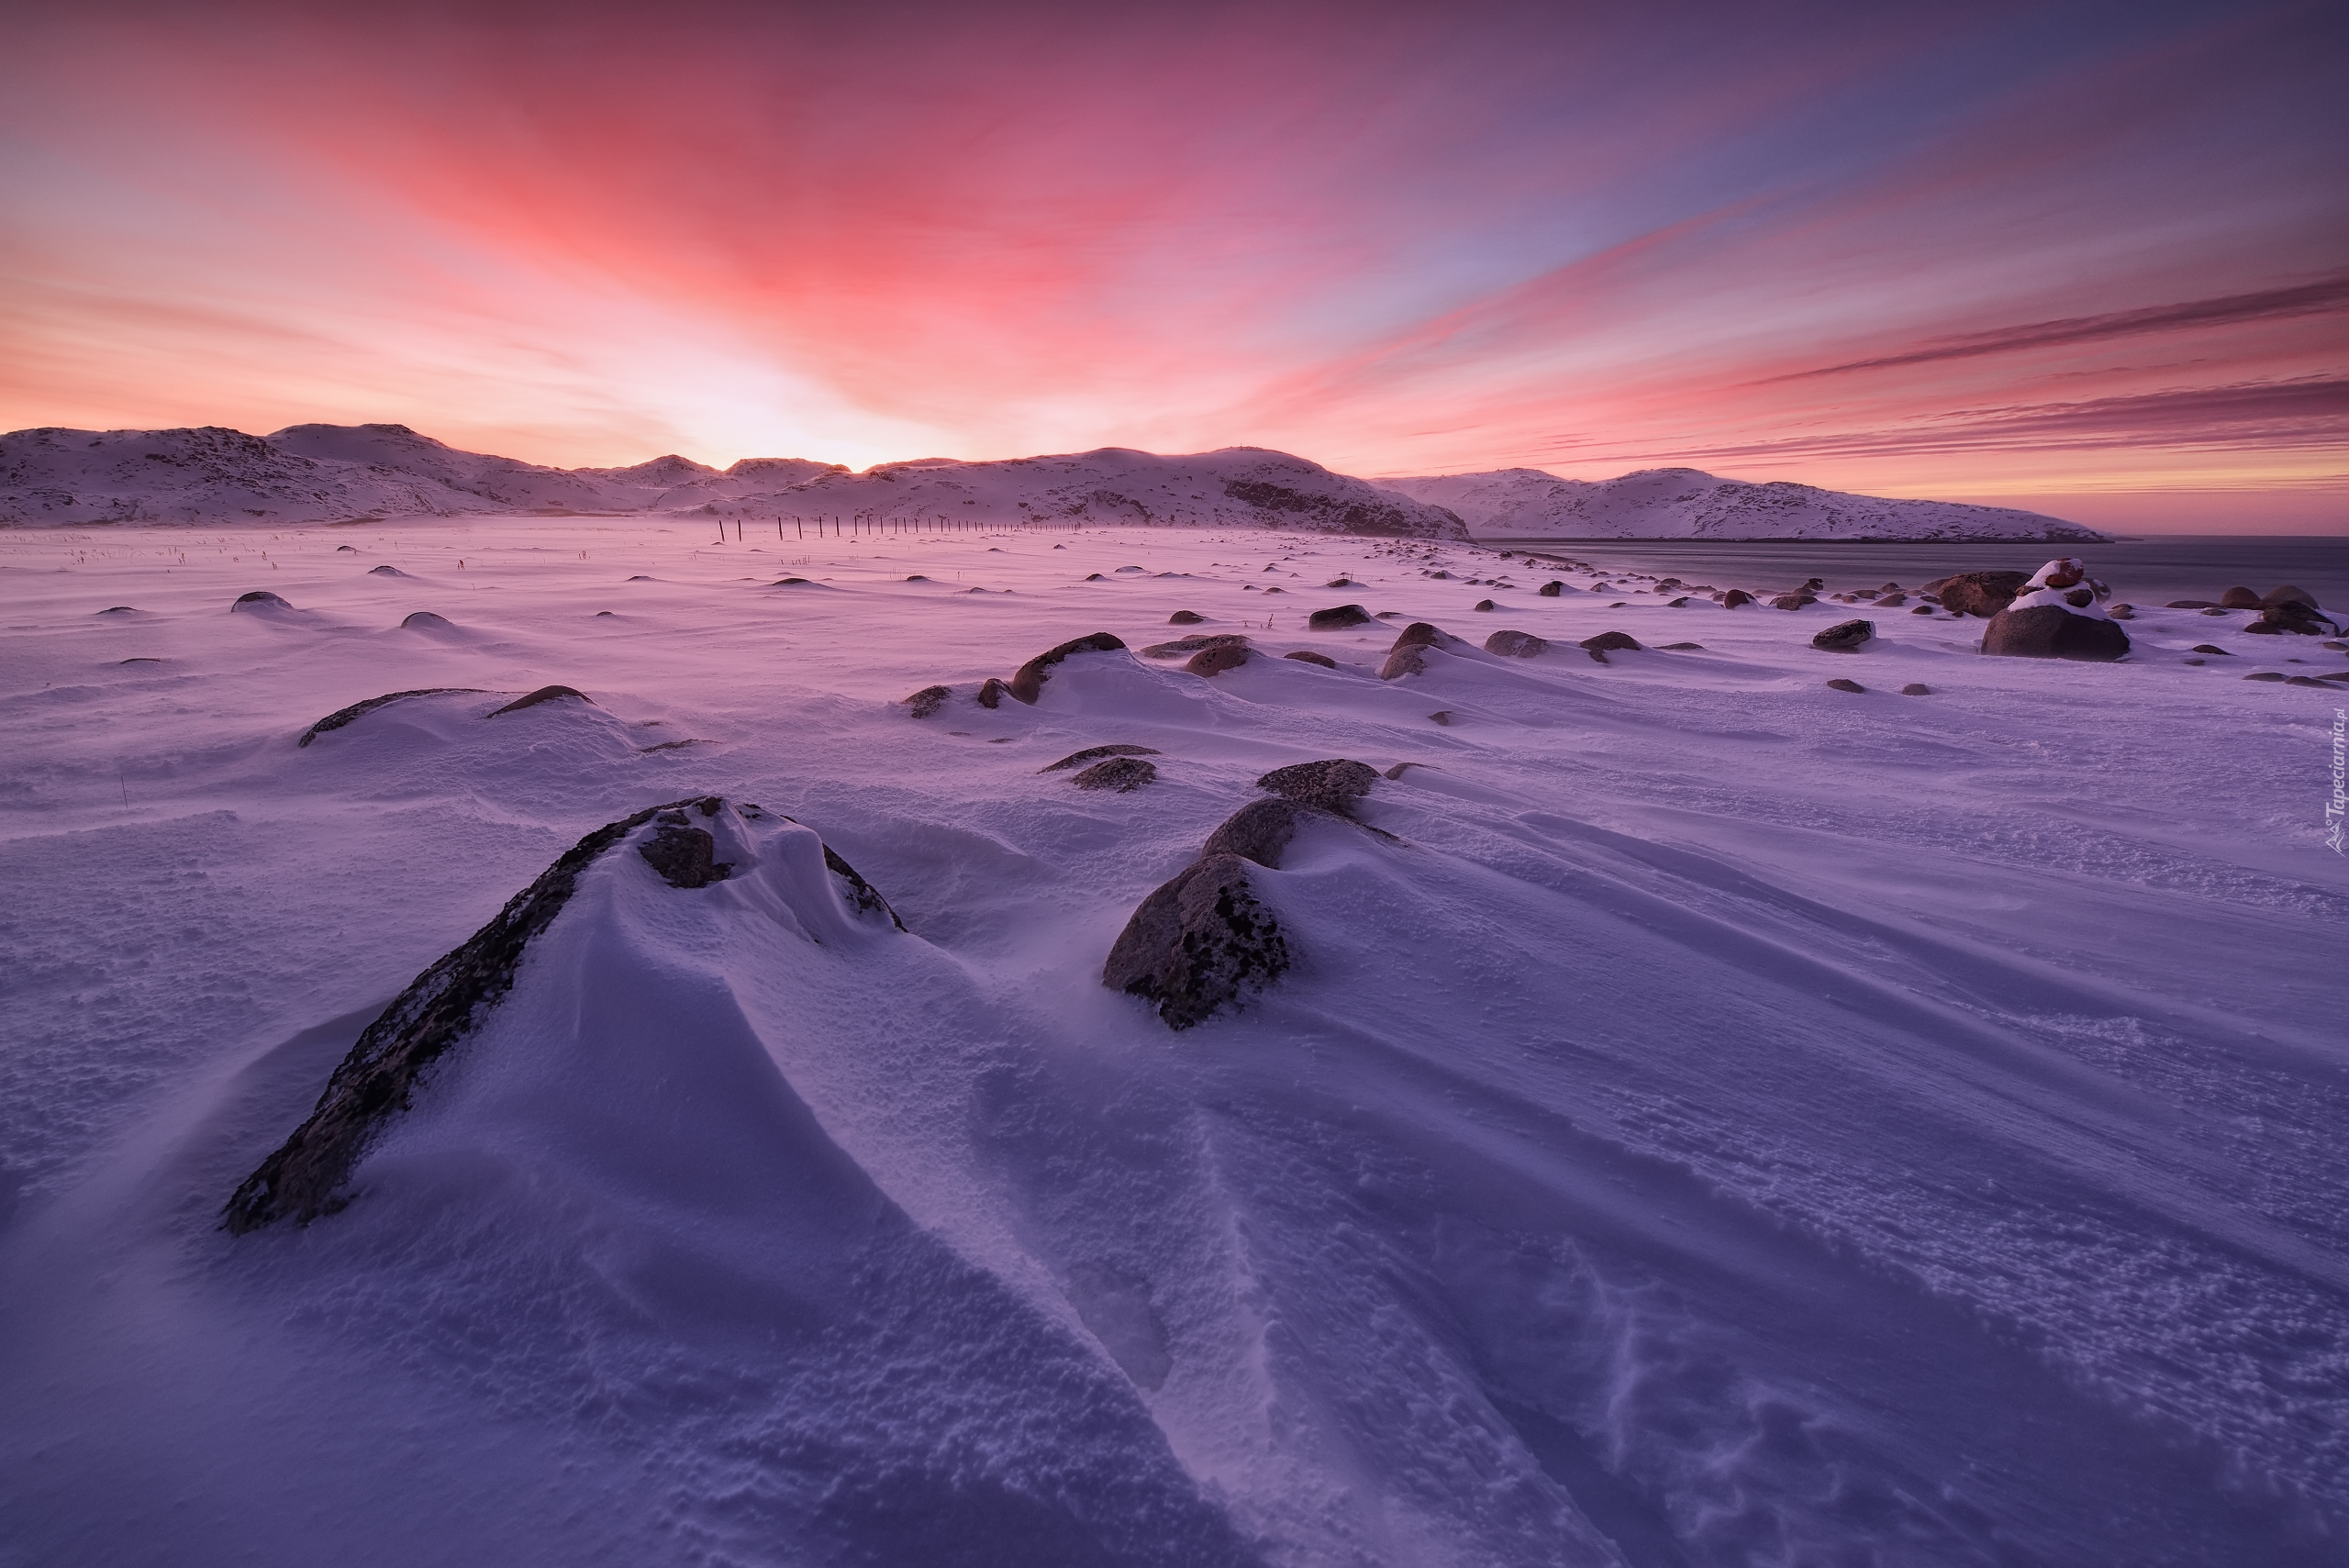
x=1686, y=503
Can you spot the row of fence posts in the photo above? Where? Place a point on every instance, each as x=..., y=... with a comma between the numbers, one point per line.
x=872, y=524
x=866, y=525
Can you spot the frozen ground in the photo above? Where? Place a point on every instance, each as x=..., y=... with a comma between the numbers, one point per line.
x=1720, y=1120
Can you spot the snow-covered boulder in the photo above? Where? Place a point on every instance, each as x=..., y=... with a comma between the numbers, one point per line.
x=2059, y=615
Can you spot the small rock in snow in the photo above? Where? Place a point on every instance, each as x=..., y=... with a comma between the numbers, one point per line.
x=1123, y=774
x=1516, y=644
x=927, y=700
x=1337, y=618
x=1307, y=656
x=543, y=694
x=1844, y=685
x=1845, y=637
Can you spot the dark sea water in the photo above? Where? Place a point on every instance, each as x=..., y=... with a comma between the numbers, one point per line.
x=2144, y=571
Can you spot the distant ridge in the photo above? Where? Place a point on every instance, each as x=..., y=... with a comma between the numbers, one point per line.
x=317, y=474
x=1687, y=503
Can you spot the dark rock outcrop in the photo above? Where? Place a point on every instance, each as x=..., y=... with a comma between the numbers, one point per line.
x=2292, y=616
x=1332, y=786
x=344, y=716
x=1094, y=753
x=1028, y=682
x=684, y=855
x=305, y=1177
x=1338, y=618
x=543, y=694
x=1184, y=647
x=1123, y=774
x=1845, y=637
x=1198, y=943
x=1516, y=644
x=927, y=701
x=2050, y=632
x=1259, y=831
x=1608, y=642
x=1982, y=594
x=1307, y=656
x=1405, y=658
x=1216, y=660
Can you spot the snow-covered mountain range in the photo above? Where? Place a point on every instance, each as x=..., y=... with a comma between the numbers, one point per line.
x=1687, y=503
x=337, y=473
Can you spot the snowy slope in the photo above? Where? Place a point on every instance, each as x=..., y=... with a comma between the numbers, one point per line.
x=1236, y=486
x=1684, y=503
x=205, y=475
x=1710, y=1118
x=334, y=473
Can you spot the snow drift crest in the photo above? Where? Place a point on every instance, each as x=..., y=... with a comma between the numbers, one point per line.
x=307, y=1175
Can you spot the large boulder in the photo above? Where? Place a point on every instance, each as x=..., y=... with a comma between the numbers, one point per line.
x=2239, y=600
x=1982, y=594
x=2053, y=631
x=1028, y=684
x=2059, y=613
x=1199, y=942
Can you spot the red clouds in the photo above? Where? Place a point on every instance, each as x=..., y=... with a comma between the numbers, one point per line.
x=1832, y=244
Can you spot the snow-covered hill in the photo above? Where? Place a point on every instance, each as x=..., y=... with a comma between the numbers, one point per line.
x=337, y=473
x=1237, y=485
x=1687, y=503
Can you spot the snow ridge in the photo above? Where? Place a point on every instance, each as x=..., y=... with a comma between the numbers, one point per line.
x=1687, y=503
x=307, y=473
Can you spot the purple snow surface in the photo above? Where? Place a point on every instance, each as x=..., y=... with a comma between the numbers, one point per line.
x=1709, y=1118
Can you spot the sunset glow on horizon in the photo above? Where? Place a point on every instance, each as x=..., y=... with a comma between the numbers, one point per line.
x=2087, y=258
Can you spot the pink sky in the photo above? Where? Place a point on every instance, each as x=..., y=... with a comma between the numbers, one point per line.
x=2089, y=259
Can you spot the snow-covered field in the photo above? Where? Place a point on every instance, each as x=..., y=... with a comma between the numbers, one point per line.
x=1711, y=1117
